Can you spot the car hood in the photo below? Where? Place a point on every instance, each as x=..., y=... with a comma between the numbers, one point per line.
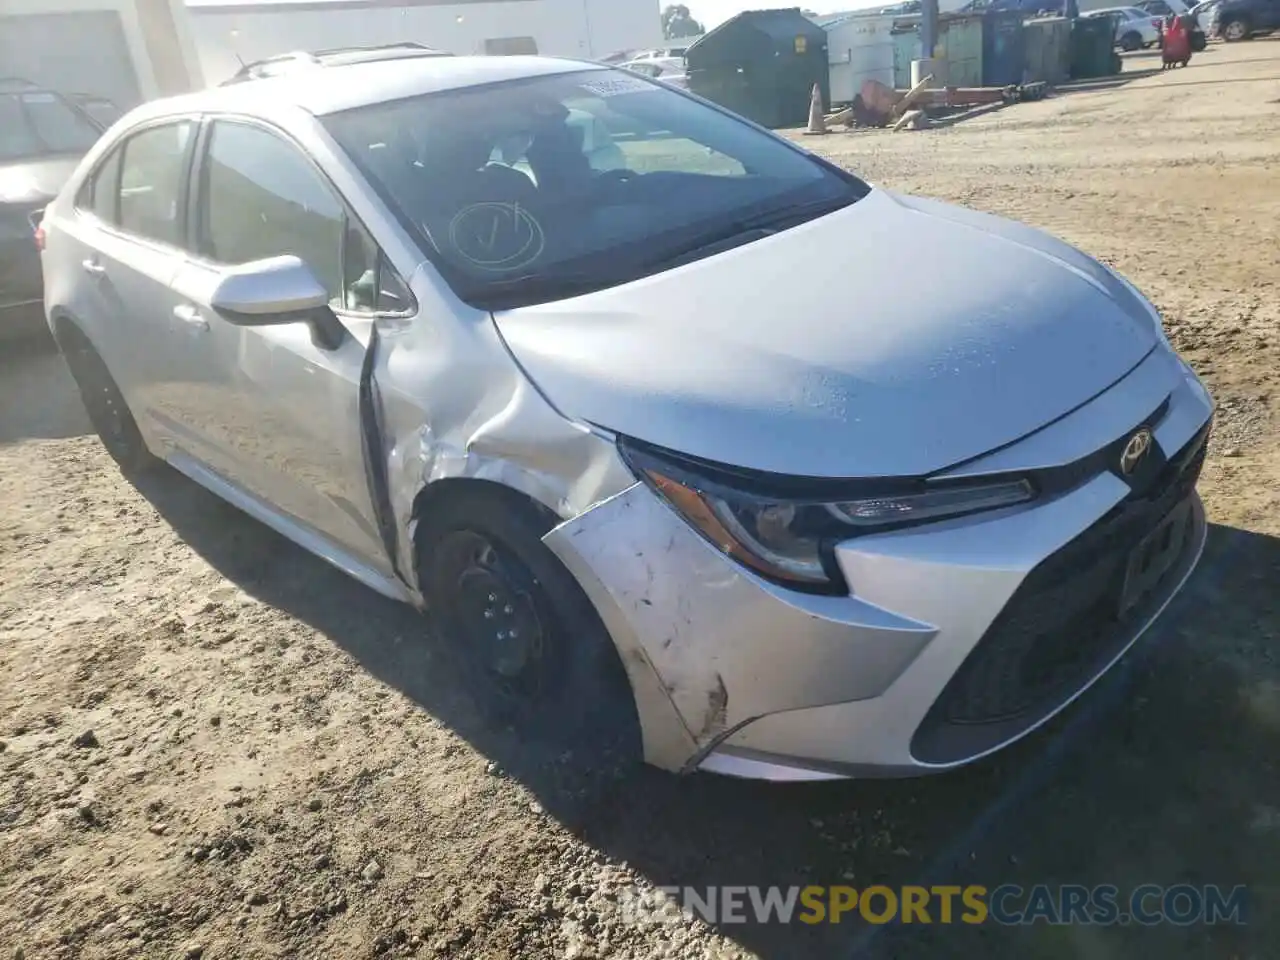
x=30, y=181
x=894, y=337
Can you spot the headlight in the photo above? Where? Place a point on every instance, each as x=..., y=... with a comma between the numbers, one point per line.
x=788, y=536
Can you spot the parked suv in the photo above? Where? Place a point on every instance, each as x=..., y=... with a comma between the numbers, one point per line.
x=42, y=138
x=1237, y=20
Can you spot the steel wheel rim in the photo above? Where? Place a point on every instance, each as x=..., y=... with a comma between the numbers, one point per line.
x=494, y=603
x=103, y=403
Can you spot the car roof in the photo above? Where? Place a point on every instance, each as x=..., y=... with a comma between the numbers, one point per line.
x=347, y=86
x=338, y=56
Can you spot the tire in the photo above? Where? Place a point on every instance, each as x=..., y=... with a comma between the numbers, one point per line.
x=104, y=403
x=484, y=572
x=1130, y=42
x=1234, y=30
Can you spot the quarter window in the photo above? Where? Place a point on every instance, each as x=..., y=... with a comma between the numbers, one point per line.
x=101, y=192
x=151, y=178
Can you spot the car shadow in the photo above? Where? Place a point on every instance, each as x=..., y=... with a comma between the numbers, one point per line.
x=37, y=394
x=1161, y=774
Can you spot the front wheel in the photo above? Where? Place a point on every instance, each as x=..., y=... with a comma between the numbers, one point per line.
x=1234, y=30
x=531, y=647
x=105, y=404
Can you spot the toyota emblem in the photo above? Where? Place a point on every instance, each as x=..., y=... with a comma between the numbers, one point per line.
x=1135, y=451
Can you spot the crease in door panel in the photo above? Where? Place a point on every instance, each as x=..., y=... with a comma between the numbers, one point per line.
x=371, y=448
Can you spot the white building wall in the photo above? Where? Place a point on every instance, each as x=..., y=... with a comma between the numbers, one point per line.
x=157, y=48
x=228, y=33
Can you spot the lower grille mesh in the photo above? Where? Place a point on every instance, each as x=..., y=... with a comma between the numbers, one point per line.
x=1063, y=622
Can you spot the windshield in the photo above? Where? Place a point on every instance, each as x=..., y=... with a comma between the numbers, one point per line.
x=543, y=188
x=39, y=123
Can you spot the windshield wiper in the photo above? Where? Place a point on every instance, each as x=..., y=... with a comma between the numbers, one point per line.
x=530, y=288
x=745, y=229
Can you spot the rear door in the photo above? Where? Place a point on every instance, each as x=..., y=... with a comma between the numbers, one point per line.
x=278, y=415
x=1269, y=14
x=127, y=236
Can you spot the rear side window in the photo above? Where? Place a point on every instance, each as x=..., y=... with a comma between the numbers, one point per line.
x=152, y=174
x=104, y=190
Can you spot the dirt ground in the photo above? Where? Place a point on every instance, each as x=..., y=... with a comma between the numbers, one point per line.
x=213, y=745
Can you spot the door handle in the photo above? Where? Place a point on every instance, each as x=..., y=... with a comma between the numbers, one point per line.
x=190, y=316
x=93, y=268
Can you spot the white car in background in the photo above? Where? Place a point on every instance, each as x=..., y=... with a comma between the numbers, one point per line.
x=1206, y=13
x=1135, y=29
x=669, y=70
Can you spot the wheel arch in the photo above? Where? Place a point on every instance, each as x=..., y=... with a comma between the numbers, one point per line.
x=62, y=320
x=437, y=494
x=665, y=740
x=1241, y=18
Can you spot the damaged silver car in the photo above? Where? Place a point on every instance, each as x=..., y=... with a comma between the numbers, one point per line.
x=618, y=385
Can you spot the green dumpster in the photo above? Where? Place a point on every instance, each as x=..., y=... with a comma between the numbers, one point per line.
x=1092, y=48
x=762, y=64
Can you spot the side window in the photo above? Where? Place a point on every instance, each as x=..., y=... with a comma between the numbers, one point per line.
x=260, y=198
x=151, y=178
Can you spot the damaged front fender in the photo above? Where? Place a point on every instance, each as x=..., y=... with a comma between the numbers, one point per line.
x=722, y=646
x=453, y=405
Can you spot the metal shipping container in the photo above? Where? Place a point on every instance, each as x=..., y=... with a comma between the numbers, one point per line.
x=1046, y=49
x=859, y=48
x=906, y=48
x=1003, y=50
x=959, y=51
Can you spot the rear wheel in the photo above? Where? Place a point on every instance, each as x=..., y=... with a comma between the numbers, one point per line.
x=1234, y=30
x=104, y=403
x=1130, y=42
x=529, y=644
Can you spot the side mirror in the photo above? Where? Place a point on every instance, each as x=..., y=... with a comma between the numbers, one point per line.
x=274, y=291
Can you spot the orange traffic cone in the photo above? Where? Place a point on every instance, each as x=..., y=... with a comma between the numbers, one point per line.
x=817, y=119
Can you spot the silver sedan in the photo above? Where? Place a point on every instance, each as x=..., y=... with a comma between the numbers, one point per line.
x=647, y=418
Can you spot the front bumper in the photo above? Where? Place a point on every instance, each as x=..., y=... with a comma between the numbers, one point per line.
x=959, y=637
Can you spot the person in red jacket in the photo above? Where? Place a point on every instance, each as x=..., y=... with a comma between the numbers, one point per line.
x=1177, y=42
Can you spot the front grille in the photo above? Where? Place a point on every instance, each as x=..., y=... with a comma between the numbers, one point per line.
x=1060, y=627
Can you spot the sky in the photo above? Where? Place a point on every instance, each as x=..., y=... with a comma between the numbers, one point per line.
x=711, y=13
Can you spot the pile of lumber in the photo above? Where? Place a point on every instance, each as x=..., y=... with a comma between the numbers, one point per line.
x=877, y=105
